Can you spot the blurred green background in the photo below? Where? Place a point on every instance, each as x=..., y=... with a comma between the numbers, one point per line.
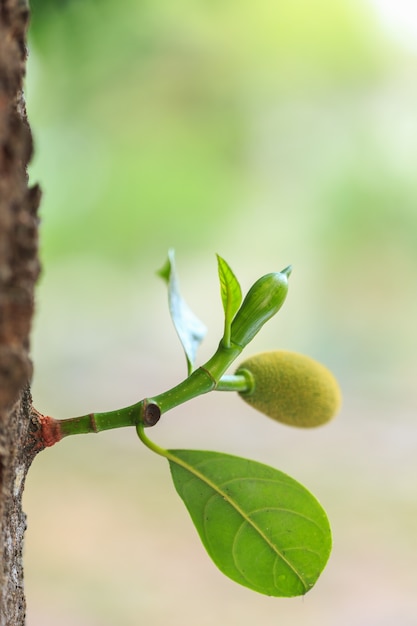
x=271, y=133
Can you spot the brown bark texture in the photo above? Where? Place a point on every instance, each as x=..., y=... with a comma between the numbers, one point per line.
x=19, y=268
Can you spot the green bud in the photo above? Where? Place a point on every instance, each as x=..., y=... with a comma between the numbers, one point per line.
x=291, y=388
x=263, y=301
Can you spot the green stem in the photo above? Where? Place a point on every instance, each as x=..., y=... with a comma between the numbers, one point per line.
x=96, y=422
x=234, y=382
x=198, y=383
x=202, y=380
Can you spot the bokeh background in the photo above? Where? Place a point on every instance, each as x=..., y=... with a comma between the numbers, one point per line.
x=271, y=133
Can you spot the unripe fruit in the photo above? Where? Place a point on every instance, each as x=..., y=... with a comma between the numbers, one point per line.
x=291, y=388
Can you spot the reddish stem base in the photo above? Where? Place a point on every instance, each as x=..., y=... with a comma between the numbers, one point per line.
x=50, y=431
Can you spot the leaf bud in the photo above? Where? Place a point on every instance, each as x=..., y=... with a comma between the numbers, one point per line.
x=291, y=388
x=263, y=301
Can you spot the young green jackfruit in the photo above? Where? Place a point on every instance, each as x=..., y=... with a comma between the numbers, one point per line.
x=291, y=388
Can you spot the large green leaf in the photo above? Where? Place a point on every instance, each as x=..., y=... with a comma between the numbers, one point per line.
x=231, y=294
x=190, y=330
x=261, y=528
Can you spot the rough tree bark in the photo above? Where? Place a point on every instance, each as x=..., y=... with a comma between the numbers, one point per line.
x=19, y=268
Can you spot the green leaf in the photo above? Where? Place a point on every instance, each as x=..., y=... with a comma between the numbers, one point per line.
x=231, y=296
x=190, y=330
x=261, y=528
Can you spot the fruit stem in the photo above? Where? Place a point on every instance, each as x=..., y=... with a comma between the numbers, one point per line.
x=234, y=382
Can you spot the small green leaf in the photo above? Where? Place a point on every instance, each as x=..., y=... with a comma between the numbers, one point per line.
x=190, y=330
x=261, y=528
x=231, y=294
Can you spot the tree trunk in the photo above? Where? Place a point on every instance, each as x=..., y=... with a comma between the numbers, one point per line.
x=19, y=268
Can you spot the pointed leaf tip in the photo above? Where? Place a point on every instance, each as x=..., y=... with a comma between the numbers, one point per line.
x=165, y=270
